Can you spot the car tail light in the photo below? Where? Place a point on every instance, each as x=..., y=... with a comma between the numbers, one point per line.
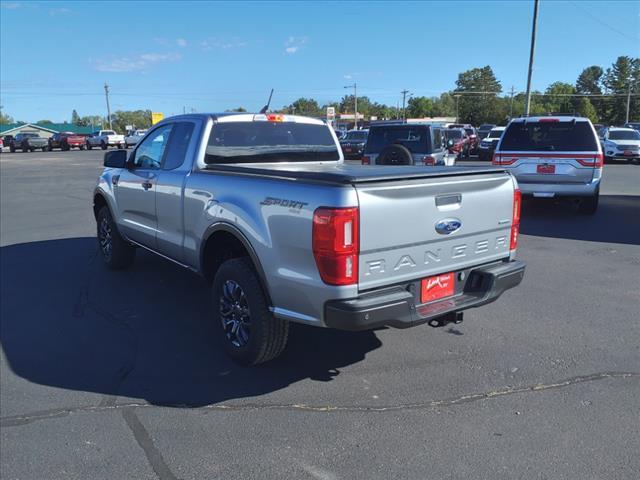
x=272, y=117
x=499, y=159
x=366, y=160
x=596, y=161
x=429, y=160
x=336, y=244
x=515, y=219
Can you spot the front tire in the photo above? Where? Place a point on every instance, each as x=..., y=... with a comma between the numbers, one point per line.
x=103, y=145
x=251, y=334
x=116, y=252
x=89, y=147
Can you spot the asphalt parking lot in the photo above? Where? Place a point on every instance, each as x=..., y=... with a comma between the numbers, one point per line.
x=118, y=374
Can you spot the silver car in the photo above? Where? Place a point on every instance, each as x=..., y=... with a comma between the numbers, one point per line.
x=553, y=157
x=621, y=144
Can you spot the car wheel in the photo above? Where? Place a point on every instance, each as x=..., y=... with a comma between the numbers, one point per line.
x=103, y=145
x=81, y=147
x=45, y=149
x=251, y=334
x=31, y=149
x=89, y=147
x=12, y=149
x=589, y=205
x=116, y=252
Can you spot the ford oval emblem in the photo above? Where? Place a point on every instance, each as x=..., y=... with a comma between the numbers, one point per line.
x=448, y=226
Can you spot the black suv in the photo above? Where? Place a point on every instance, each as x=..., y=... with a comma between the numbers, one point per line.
x=405, y=144
x=353, y=143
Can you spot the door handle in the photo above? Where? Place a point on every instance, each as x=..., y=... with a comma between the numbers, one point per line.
x=147, y=185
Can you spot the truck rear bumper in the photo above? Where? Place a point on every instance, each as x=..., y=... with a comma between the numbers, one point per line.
x=397, y=307
x=560, y=189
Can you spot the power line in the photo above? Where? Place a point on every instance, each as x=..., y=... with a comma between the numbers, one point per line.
x=601, y=22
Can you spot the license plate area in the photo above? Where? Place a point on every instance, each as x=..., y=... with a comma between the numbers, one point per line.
x=437, y=287
x=546, y=169
x=628, y=153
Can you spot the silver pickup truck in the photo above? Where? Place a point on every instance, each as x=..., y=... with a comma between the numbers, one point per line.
x=264, y=207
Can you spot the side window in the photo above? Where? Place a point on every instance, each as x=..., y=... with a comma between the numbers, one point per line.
x=437, y=139
x=149, y=153
x=178, y=144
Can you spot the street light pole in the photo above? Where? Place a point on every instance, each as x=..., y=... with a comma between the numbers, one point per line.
x=355, y=103
x=404, y=97
x=457, y=115
x=533, y=48
x=511, y=108
x=106, y=93
x=628, y=99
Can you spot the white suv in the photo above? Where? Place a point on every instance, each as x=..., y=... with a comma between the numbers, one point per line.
x=553, y=157
x=621, y=144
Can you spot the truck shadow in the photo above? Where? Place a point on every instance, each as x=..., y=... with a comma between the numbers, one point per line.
x=147, y=333
x=616, y=221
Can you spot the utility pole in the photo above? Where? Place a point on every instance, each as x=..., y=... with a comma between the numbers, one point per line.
x=628, y=99
x=106, y=94
x=184, y=109
x=457, y=97
x=355, y=103
x=527, y=104
x=404, y=97
x=511, y=108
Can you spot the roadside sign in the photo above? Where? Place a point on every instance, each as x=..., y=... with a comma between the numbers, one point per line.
x=128, y=127
x=331, y=113
x=156, y=117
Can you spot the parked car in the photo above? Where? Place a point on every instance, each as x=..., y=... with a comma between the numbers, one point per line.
x=105, y=139
x=28, y=142
x=484, y=129
x=340, y=134
x=404, y=144
x=353, y=143
x=634, y=125
x=66, y=141
x=1, y=144
x=599, y=129
x=457, y=142
x=488, y=144
x=621, y=144
x=287, y=232
x=553, y=157
x=471, y=134
x=133, y=137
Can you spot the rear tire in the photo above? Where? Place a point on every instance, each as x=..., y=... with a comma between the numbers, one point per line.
x=251, y=334
x=81, y=147
x=12, y=149
x=589, y=205
x=116, y=252
x=103, y=145
x=89, y=146
x=45, y=149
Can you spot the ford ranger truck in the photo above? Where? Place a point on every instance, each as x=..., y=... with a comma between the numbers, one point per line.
x=264, y=207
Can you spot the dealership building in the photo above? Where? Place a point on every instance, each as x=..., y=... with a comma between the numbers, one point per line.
x=45, y=130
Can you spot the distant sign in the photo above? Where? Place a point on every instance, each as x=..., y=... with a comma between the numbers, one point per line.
x=156, y=117
x=331, y=113
x=128, y=127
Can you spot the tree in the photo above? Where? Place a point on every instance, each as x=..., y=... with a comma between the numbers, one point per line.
x=557, y=100
x=305, y=106
x=444, y=106
x=75, y=118
x=4, y=118
x=589, y=82
x=480, y=103
x=586, y=109
x=237, y=109
x=95, y=121
x=623, y=75
x=136, y=118
x=40, y=122
x=420, y=107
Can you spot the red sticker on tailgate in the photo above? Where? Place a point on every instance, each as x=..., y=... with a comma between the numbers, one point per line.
x=546, y=168
x=436, y=287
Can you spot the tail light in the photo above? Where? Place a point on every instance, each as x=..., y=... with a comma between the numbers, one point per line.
x=429, y=160
x=498, y=159
x=366, y=160
x=515, y=219
x=597, y=161
x=336, y=244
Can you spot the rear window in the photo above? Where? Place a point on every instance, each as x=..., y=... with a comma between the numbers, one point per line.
x=469, y=131
x=108, y=132
x=495, y=133
x=251, y=142
x=624, y=135
x=413, y=138
x=453, y=134
x=549, y=136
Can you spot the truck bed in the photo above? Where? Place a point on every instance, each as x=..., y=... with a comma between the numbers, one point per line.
x=344, y=174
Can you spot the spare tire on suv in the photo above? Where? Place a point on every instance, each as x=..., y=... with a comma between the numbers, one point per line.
x=395, y=155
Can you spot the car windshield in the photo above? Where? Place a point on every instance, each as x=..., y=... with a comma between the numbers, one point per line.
x=550, y=136
x=108, y=132
x=250, y=142
x=624, y=135
x=29, y=135
x=413, y=138
x=357, y=135
x=495, y=133
x=469, y=131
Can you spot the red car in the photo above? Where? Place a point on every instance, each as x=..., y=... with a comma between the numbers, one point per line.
x=67, y=141
x=474, y=143
x=457, y=141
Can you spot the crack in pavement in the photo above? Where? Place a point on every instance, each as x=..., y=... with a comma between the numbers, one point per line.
x=18, y=420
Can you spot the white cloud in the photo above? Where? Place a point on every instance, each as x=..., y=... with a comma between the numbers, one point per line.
x=137, y=63
x=11, y=5
x=294, y=44
x=348, y=76
x=217, y=43
x=181, y=42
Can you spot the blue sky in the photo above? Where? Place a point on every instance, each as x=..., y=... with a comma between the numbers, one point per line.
x=163, y=56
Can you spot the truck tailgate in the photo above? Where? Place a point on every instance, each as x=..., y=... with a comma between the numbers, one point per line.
x=398, y=237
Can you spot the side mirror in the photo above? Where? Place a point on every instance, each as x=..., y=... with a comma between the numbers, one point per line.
x=449, y=143
x=115, y=159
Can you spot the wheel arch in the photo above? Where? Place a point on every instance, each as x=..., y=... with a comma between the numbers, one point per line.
x=223, y=241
